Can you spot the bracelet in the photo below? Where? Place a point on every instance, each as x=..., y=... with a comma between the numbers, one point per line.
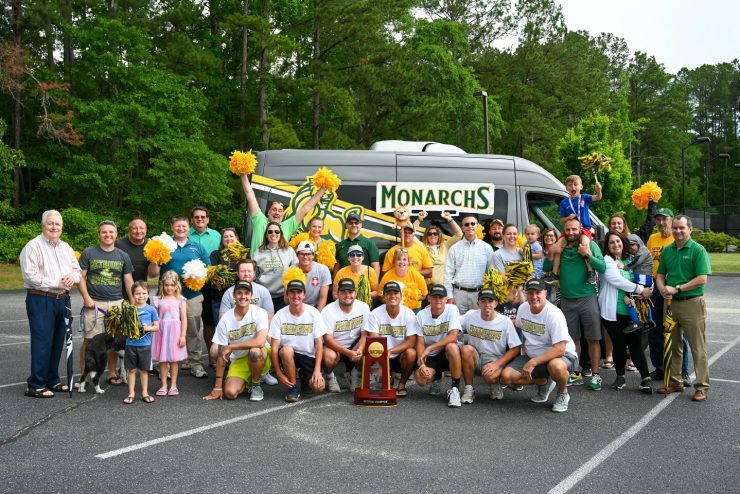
x=218, y=389
x=219, y=377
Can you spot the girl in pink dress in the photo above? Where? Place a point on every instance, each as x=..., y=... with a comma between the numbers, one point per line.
x=168, y=347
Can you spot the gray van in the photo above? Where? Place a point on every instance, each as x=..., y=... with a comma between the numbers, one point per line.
x=524, y=192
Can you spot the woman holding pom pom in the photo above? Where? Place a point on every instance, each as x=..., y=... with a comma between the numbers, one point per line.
x=273, y=257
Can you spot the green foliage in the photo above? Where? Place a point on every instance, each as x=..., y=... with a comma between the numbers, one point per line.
x=713, y=241
x=13, y=238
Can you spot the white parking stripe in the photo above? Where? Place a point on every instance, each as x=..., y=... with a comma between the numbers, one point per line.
x=571, y=480
x=723, y=380
x=16, y=343
x=14, y=320
x=197, y=430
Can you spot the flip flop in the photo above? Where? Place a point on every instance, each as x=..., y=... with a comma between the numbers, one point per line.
x=173, y=392
x=59, y=388
x=39, y=393
x=128, y=400
x=162, y=391
x=185, y=367
x=147, y=399
x=608, y=364
x=114, y=381
x=401, y=393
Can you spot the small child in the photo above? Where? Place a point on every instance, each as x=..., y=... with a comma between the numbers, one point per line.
x=169, y=344
x=138, y=354
x=641, y=265
x=514, y=298
x=576, y=205
x=532, y=233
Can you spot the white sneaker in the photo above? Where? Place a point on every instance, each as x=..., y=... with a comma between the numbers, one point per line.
x=333, y=385
x=468, y=394
x=269, y=379
x=543, y=392
x=256, y=393
x=453, y=398
x=561, y=402
x=436, y=387
x=497, y=392
x=355, y=379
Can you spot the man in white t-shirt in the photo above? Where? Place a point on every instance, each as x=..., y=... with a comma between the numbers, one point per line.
x=492, y=344
x=550, y=352
x=241, y=336
x=246, y=270
x=397, y=323
x=318, y=276
x=296, y=341
x=346, y=324
x=436, y=344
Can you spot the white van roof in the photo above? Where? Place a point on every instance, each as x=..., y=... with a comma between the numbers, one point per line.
x=416, y=147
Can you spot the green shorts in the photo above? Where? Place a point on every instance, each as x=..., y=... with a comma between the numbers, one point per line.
x=240, y=367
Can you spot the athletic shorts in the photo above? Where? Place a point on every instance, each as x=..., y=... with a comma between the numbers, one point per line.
x=304, y=364
x=239, y=368
x=439, y=363
x=582, y=316
x=137, y=357
x=481, y=359
x=541, y=370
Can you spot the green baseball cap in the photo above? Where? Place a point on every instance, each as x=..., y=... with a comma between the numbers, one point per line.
x=664, y=212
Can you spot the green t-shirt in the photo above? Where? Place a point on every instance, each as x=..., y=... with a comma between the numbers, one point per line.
x=621, y=306
x=683, y=265
x=573, y=272
x=209, y=239
x=369, y=249
x=259, y=226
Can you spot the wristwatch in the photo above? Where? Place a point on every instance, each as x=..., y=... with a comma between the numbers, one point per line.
x=678, y=287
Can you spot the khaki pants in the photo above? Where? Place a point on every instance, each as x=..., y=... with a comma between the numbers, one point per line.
x=194, y=307
x=690, y=316
x=94, y=319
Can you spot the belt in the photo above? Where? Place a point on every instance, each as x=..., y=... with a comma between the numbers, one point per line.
x=688, y=297
x=48, y=294
x=458, y=287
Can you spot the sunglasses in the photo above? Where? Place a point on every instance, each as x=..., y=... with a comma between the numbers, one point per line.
x=305, y=253
x=470, y=224
x=432, y=234
x=273, y=232
x=355, y=254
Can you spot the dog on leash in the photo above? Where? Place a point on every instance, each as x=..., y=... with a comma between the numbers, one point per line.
x=96, y=359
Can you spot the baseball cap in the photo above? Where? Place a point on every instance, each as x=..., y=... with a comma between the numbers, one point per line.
x=355, y=248
x=305, y=246
x=243, y=285
x=346, y=284
x=391, y=286
x=437, y=290
x=354, y=217
x=409, y=227
x=664, y=212
x=487, y=293
x=496, y=220
x=535, y=284
x=296, y=285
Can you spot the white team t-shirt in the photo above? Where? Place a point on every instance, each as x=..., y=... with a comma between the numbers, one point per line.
x=493, y=337
x=260, y=297
x=230, y=331
x=318, y=277
x=542, y=331
x=434, y=329
x=346, y=328
x=394, y=330
x=299, y=332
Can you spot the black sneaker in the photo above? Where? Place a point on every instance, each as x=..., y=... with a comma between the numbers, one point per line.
x=646, y=386
x=631, y=328
x=650, y=325
x=619, y=383
x=656, y=374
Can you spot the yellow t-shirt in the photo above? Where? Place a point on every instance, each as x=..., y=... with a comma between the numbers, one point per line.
x=418, y=257
x=412, y=278
x=655, y=245
x=346, y=272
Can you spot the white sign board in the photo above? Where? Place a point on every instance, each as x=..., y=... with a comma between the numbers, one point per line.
x=417, y=196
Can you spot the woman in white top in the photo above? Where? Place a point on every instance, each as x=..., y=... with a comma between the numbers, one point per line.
x=273, y=259
x=615, y=287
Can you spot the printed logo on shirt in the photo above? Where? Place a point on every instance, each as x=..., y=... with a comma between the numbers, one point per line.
x=315, y=281
x=247, y=330
x=436, y=330
x=255, y=301
x=105, y=273
x=532, y=327
x=349, y=325
x=485, y=333
x=296, y=329
x=394, y=331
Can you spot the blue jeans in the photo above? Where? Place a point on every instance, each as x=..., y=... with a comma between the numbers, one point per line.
x=655, y=337
x=46, y=319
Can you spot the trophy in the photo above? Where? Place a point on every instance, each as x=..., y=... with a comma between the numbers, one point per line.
x=375, y=358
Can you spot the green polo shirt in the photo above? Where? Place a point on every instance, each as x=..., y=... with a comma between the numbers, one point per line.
x=683, y=265
x=369, y=250
x=209, y=239
x=573, y=272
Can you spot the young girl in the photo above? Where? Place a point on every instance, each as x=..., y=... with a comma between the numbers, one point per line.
x=169, y=344
x=138, y=354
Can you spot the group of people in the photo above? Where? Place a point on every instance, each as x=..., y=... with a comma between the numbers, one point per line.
x=428, y=300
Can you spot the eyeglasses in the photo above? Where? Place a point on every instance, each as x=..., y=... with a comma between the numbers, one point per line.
x=273, y=232
x=355, y=254
x=403, y=251
x=470, y=224
x=305, y=253
x=432, y=234
x=200, y=217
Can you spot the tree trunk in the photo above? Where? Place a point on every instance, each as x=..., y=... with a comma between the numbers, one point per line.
x=316, y=93
x=264, y=69
x=243, y=83
x=67, y=40
x=15, y=121
x=49, y=41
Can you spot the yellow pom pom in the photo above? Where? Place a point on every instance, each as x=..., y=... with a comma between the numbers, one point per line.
x=496, y=282
x=298, y=238
x=411, y=295
x=649, y=191
x=479, y=232
x=157, y=252
x=241, y=163
x=326, y=179
x=293, y=273
x=596, y=162
x=521, y=241
x=235, y=252
x=78, y=254
x=194, y=284
x=327, y=254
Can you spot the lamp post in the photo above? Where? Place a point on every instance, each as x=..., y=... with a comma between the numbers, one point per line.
x=697, y=140
x=484, y=96
x=723, y=156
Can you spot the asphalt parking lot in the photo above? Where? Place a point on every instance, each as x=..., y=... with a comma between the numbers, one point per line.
x=608, y=441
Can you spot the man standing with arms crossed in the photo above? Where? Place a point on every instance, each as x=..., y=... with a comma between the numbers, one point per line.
x=682, y=274
x=467, y=263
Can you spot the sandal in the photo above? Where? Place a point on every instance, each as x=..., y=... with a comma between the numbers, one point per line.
x=173, y=392
x=39, y=393
x=147, y=399
x=162, y=391
x=401, y=393
x=128, y=400
x=631, y=367
x=608, y=364
x=59, y=388
x=114, y=381
x=185, y=367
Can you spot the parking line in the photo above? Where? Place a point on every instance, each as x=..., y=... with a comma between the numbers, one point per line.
x=16, y=343
x=14, y=320
x=571, y=480
x=197, y=430
x=724, y=380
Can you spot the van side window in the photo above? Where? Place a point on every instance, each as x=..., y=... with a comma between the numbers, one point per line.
x=543, y=210
x=500, y=210
x=362, y=195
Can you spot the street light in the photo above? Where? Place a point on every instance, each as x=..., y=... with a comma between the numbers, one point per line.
x=484, y=96
x=723, y=156
x=697, y=140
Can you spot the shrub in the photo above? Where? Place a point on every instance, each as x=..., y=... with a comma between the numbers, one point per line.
x=13, y=238
x=715, y=242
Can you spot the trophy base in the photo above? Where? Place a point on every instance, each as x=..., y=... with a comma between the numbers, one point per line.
x=382, y=398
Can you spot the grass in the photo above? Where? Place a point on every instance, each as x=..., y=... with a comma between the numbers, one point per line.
x=725, y=263
x=10, y=277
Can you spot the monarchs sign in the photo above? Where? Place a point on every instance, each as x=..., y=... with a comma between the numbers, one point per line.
x=453, y=197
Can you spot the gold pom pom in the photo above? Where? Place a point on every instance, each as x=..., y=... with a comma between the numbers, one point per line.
x=298, y=238
x=194, y=284
x=411, y=295
x=596, y=162
x=293, y=273
x=519, y=272
x=479, y=232
x=327, y=254
x=241, y=163
x=78, y=255
x=521, y=241
x=220, y=276
x=157, y=252
x=235, y=252
x=649, y=191
x=326, y=179
x=496, y=282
